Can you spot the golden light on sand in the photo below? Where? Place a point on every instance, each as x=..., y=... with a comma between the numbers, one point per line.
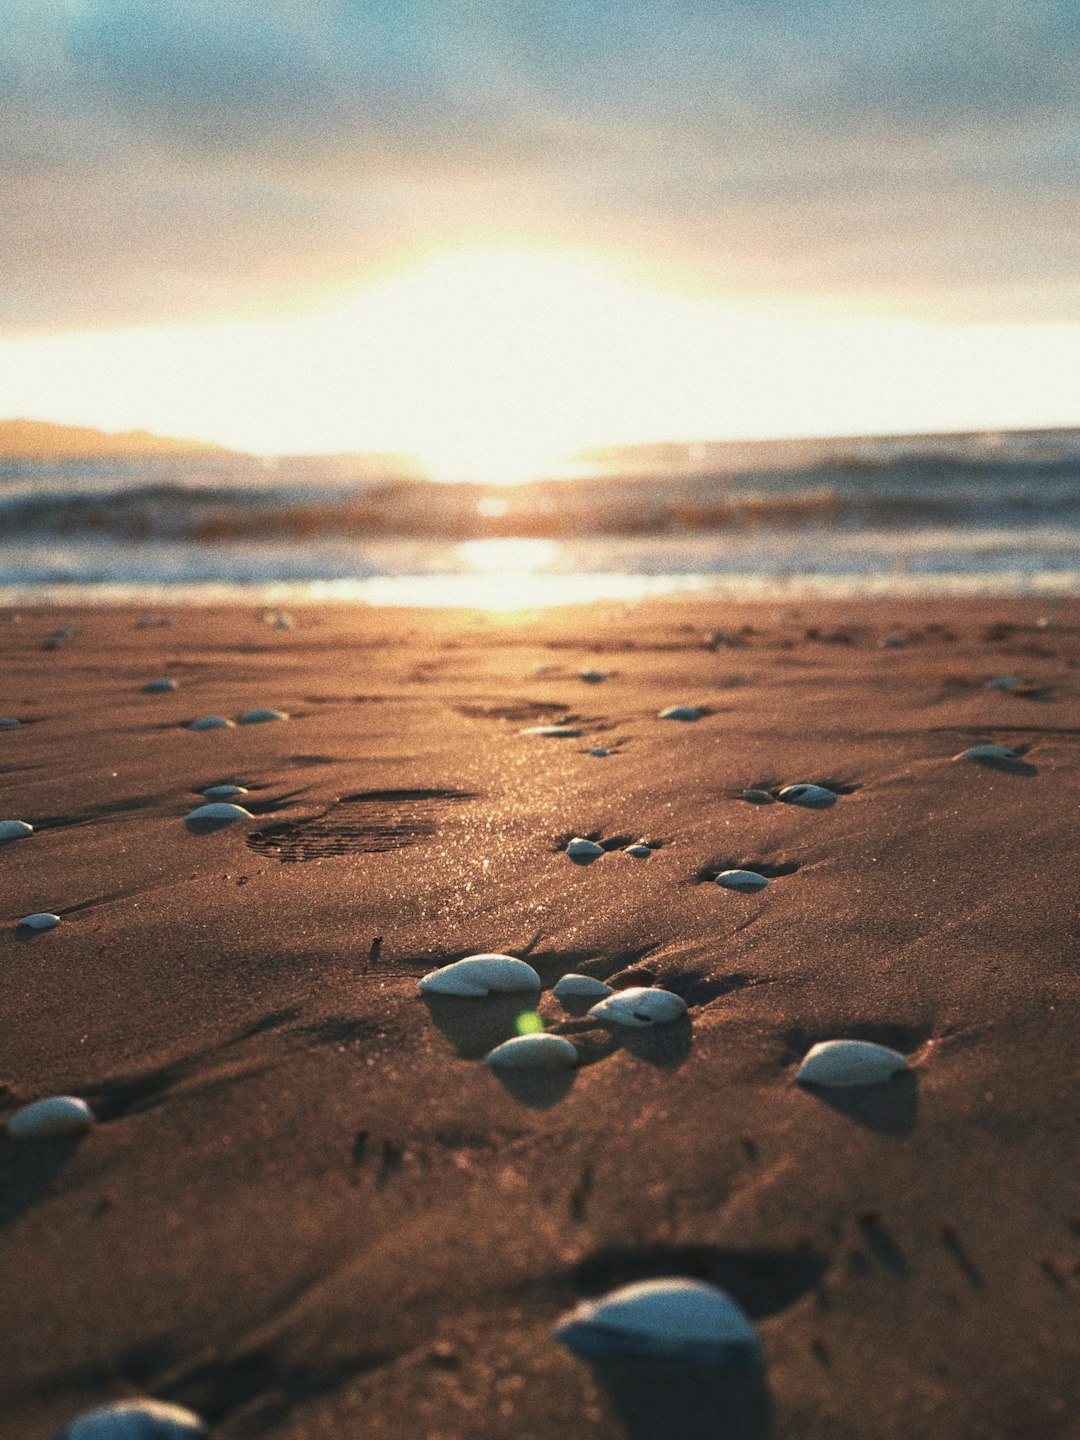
x=514, y=556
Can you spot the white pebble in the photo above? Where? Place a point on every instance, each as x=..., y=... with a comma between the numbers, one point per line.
x=811, y=797
x=640, y=850
x=581, y=987
x=1005, y=682
x=260, y=717
x=674, y=1319
x=580, y=849
x=210, y=722
x=758, y=797
x=14, y=830
x=159, y=687
x=135, y=1420
x=9, y=722
x=987, y=752
x=599, y=752
x=849, y=1062
x=51, y=1119
x=220, y=811
x=223, y=792
x=592, y=677
x=745, y=881
x=533, y=1052
x=681, y=712
x=479, y=975
x=639, y=1007
x=40, y=920
x=554, y=732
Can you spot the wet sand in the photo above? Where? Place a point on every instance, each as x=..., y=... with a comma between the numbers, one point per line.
x=309, y=1211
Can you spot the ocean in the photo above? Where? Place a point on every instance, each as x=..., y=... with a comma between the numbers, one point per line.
x=931, y=515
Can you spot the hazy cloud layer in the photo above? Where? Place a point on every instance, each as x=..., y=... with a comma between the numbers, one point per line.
x=177, y=159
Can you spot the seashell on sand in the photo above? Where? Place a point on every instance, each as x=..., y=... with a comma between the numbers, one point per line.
x=553, y=732
x=674, y=1319
x=9, y=722
x=681, y=712
x=210, y=722
x=640, y=1007
x=582, y=987
x=592, y=677
x=533, y=1052
x=159, y=687
x=14, y=830
x=745, y=881
x=219, y=812
x=811, y=797
x=41, y=920
x=223, y=792
x=260, y=717
x=581, y=849
x=135, y=1420
x=479, y=975
x=758, y=797
x=1005, y=682
x=51, y=1119
x=987, y=752
x=640, y=850
x=599, y=752
x=849, y=1062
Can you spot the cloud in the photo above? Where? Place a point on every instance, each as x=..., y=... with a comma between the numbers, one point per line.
x=184, y=161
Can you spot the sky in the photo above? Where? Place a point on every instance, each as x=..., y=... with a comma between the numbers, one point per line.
x=323, y=224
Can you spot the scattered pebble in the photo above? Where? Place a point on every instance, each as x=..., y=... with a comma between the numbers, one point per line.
x=1005, y=682
x=581, y=987
x=552, y=731
x=51, y=1119
x=674, y=1319
x=681, y=712
x=640, y=850
x=745, y=881
x=41, y=920
x=892, y=642
x=153, y=622
x=220, y=811
x=533, y=1052
x=1047, y=622
x=260, y=717
x=14, y=830
x=479, y=975
x=210, y=722
x=811, y=797
x=640, y=1007
x=159, y=687
x=849, y=1062
x=135, y=1420
x=758, y=797
x=223, y=792
x=580, y=849
x=9, y=722
x=599, y=752
x=987, y=752
x=592, y=677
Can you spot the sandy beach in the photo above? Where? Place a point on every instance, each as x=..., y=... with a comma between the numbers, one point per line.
x=308, y=1210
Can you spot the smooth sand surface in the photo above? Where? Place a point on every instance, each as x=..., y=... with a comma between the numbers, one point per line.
x=309, y=1211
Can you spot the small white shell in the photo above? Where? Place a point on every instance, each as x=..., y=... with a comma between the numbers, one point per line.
x=758, y=797
x=14, y=830
x=681, y=712
x=555, y=732
x=210, y=722
x=221, y=811
x=582, y=986
x=9, y=722
x=812, y=797
x=662, y=1319
x=592, y=677
x=640, y=850
x=580, y=849
x=135, y=1420
x=260, y=717
x=987, y=752
x=599, y=751
x=640, y=1006
x=479, y=975
x=223, y=792
x=159, y=687
x=849, y=1062
x=51, y=1119
x=745, y=881
x=1005, y=682
x=533, y=1052
x=40, y=920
